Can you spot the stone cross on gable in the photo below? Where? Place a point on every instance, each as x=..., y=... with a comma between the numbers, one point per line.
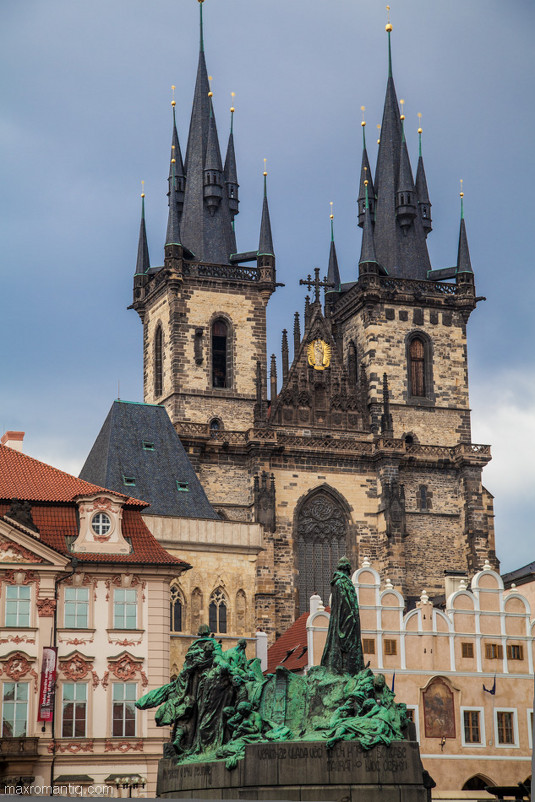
x=316, y=283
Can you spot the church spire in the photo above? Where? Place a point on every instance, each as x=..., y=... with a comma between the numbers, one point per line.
x=365, y=174
x=399, y=237
x=424, y=204
x=176, y=154
x=406, y=209
x=143, y=261
x=367, y=251
x=172, y=236
x=206, y=223
x=265, y=245
x=464, y=264
x=333, y=273
x=230, y=171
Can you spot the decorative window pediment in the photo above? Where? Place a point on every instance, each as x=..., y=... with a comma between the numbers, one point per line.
x=100, y=525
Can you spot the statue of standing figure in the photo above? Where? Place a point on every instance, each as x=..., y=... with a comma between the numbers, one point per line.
x=343, y=650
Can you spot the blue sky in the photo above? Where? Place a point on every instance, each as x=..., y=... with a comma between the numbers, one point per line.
x=86, y=115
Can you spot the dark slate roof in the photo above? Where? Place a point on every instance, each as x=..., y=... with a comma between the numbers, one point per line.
x=402, y=253
x=464, y=263
x=206, y=233
x=265, y=244
x=520, y=575
x=119, y=452
x=333, y=272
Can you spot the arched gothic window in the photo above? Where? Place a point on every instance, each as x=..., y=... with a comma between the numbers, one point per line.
x=477, y=783
x=417, y=367
x=176, y=609
x=158, y=362
x=217, y=612
x=321, y=542
x=220, y=373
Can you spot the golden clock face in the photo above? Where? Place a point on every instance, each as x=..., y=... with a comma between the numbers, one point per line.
x=319, y=354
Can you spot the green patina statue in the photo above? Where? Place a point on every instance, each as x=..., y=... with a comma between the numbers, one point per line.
x=221, y=701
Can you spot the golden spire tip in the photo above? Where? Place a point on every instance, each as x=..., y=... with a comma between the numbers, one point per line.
x=331, y=215
x=388, y=26
x=461, y=193
x=265, y=167
x=173, y=101
x=142, y=189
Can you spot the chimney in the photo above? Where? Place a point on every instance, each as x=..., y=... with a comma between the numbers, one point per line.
x=12, y=440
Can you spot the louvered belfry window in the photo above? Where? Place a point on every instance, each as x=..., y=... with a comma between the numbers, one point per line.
x=417, y=367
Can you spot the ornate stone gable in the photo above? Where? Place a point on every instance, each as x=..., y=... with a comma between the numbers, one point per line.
x=318, y=390
x=11, y=552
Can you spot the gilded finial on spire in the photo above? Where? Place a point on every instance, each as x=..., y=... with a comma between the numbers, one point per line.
x=173, y=101
x=461, y=194
x=142, y=189
x=388, y=29
x=331, y=217
x=379, y=133
x=419, y=133
x=363, y=124
x=173, y=159
x=232, y=110
x=402, y=103
x=265, y=167
x=210, y=79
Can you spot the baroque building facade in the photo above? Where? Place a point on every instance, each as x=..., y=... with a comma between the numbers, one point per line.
x=364, y=446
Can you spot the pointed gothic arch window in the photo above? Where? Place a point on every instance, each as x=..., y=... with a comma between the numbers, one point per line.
x=176, y=609
x=158, y=362
x=217, y=612
x=420, y=368
x=417, y=366
x=322, y=539
x=220, y=371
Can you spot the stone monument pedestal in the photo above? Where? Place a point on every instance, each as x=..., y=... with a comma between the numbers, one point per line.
x=303, y=770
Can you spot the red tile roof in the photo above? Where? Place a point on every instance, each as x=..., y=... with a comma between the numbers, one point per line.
x=26, y=478
x=291, y=650
x=52, y=493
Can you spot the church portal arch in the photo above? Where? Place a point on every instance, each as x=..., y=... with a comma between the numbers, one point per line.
x=321, y=537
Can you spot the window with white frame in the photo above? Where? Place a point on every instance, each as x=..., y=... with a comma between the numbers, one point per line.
x=506, y=727
x=74, y=710
x=76, y=608
x=123, y=709
x=412, y=715
x=15, y=710
x=18, y=605
x=124, y=609
x=473, y=726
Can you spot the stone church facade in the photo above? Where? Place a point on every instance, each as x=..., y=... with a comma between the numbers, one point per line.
x=363, y=447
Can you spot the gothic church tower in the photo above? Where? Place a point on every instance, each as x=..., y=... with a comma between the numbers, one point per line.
x=364, y=446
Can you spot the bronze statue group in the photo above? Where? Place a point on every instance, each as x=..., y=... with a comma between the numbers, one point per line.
x=221, y=701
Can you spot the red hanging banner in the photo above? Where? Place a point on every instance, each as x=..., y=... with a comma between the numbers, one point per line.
x=48, y=683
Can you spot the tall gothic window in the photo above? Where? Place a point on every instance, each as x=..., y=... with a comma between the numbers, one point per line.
x=158, y=362
x=217, y=612
x=321, y=542
x=417, y=367
x=176, y=609
x=219, y=354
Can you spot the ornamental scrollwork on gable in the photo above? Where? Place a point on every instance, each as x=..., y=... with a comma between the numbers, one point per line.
x=13, y=552
x=125, y=668
x=18, y=665
x=76, y=667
